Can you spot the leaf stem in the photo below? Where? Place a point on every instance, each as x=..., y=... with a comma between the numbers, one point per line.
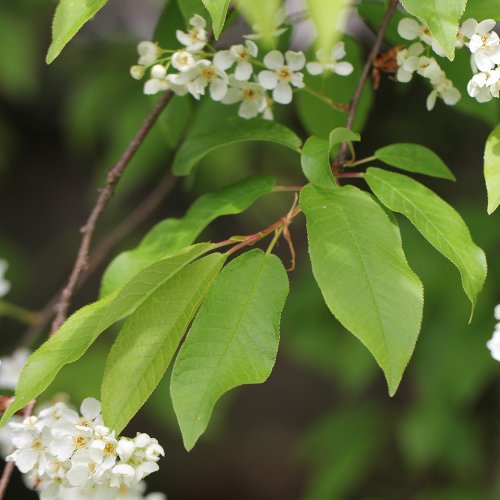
x=359, y=162
x=341, y=107
x=19, y=313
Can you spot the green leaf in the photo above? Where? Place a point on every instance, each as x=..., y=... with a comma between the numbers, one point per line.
x=233, y=341
x=492, y=169
x=69, y=17
x=328, y=19
x=196, y=146
x=482, y=9
x=82, y=328
x=317, y=116
x=218, y=11
x=171, y=235
x=437, y=221
x=414, y=158
x=261, y=16
x=341, y=134
x=359, y=264
x=442, y=18
x=315, y=162
x=146, y=344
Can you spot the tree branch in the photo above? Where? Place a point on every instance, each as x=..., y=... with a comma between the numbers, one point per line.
x=105, y=194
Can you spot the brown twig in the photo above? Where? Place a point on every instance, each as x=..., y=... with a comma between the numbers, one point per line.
x=102, y=250
x=366, y=71
x=105, y=194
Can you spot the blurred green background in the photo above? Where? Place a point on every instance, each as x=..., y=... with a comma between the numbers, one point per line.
x=323, y=426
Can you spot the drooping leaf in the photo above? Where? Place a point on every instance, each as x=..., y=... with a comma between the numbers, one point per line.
x=414, y=158
x=69, y=17
x=492, y=169
x=171, y=235
x=359, y=264
x=233, y=340
x=442, y=18
x=341, y=134
x=196, y=146
x=315, y=162
x=82, y=328
x=317, y=116
x=218, y=11
x=438, y=222
x=147, y=342
x=328, y=19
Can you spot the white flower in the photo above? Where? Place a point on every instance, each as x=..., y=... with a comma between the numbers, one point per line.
x=239, y=54
x=494, y=345
x=196, y=38
x=408, y=61
x=252, y=96
x=429, y=68
x=182, y=60
x=484, y=43
x=158, y=81
x=204, y=74
x=137, y=71
x=410, y=29
x=443, y=88
x=478, y=88
x=11, y=366
x=148, y=52
x=4, y=284
x=331, y=62
x=283, y=75
x=497, y=312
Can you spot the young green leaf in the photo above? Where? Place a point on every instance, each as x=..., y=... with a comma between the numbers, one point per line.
x=437, y=221
x=196, y=146
x=492, y=169
x=171, y=235
x=218, y=11
x=69, y=17
x=81, y=329
x=342, y=134
x=414, y=158
x=315, y=162
x=328, y=20
x=233, y=340
x=146, y=344
x=359, y=264
x=442, y=18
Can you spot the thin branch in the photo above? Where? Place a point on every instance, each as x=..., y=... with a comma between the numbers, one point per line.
x=102, y=250
x=105, y=194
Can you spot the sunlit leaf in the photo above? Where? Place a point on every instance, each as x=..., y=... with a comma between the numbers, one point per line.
x=315, y=162
x=492, y=169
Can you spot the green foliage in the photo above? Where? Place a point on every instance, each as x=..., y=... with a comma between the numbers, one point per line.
x=81, y=329
x=492, y=169
x=442, y=18
x=414, y=158
x=69, y=17
x=482, y=9
x=341, y=134
x=261, y=15
x=229, y=346
x=171, y=235
x=218, y=11
x=233, y=130
x=438, y=222
x=146, y=344
x=318, y=117
x=327, y=19
x=315, y=161
x=359, y=264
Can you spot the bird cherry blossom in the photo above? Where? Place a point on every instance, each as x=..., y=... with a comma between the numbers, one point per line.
x=11, y=366
x=196, y=37
x=239, y=54
x=4, y=284
x=283, y=75
x=148, y=53
x=408, y=62
x=183, y=60
x=494, y=343
x=484, y=43
x=411, y=29
x=251, y=95
x=331, y=62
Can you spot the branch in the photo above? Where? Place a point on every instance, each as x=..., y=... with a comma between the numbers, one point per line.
x=105, y=194
x=102, y=250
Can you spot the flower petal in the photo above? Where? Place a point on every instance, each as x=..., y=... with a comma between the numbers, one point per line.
x=315, y=68
x=343, y=68
x=283, y=93
x=268, y=79
x=90, y=408
x=274, y=59
x=243, y=71
x=295, y=60
x=409, y=29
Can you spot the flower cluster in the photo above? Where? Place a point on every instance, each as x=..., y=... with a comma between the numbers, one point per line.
x=198, y=68
x=4, y=284
x=484, y=45
x=416, y=59
x=69, y=455
x=494, y=343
